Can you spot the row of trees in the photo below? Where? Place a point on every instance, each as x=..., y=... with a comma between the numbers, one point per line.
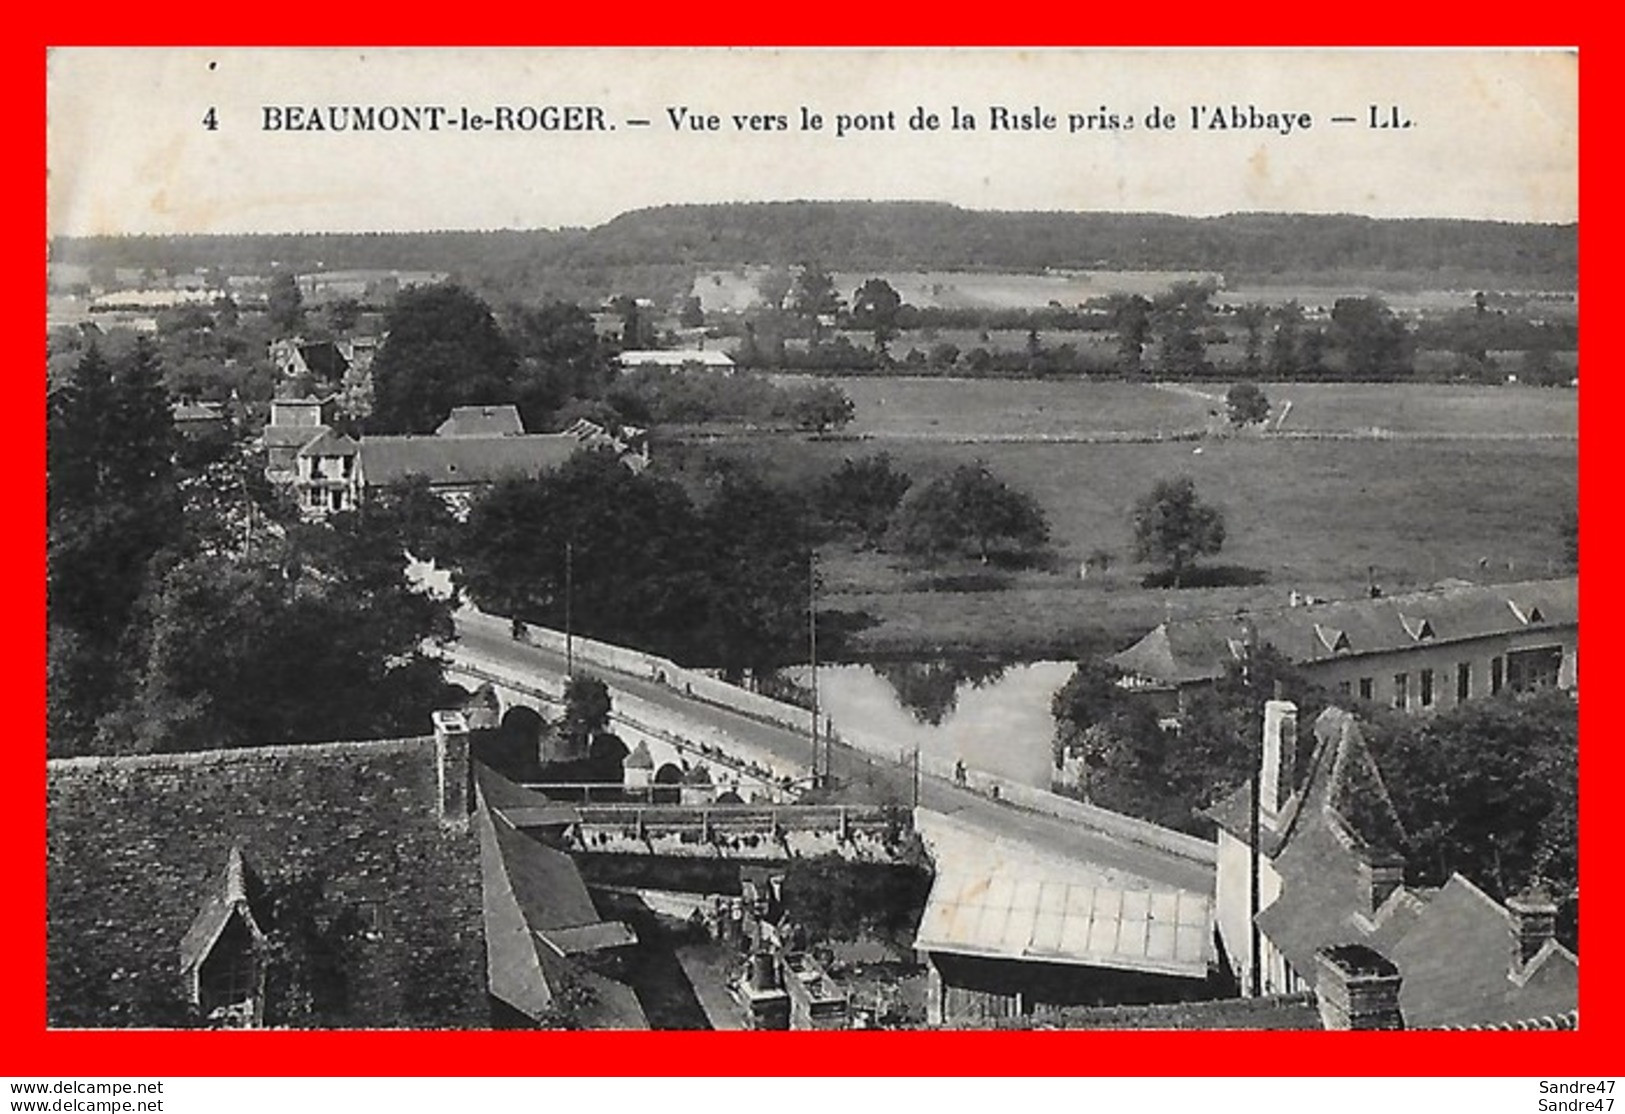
x=1167, y=335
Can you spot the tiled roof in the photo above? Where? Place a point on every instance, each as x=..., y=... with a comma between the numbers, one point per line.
x=1184, y=651
x=481, y=421
x=134, y=849
x=463, y=461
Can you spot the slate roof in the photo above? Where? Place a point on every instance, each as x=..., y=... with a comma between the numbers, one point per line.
x=324, y=359
x=463, y=461
x=134, y=847
x=228, y=895
x=537, y=915
x=1456, y=964
x=291, y=436
x=481, y=421
x=1455, y=947
x=329, y=443
x=1187, y=651
x=1340, y=785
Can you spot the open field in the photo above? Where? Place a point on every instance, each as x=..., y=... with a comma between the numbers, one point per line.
x=904, y=407
x=1305, y=514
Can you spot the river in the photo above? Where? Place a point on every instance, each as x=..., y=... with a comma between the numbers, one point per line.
x=993, y=718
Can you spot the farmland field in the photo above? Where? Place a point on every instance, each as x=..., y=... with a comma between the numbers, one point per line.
x=1307, y=514
x=897, y=407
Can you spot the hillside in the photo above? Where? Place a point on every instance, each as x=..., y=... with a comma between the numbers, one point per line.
x=856, y=235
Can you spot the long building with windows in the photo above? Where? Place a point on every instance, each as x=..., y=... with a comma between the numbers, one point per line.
x=1416, y=651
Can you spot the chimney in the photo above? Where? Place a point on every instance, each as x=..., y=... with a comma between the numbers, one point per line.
x=1280, y=749
x=1379, y=877
x=1356, y=988
x=1534, y=921
x=452, y=767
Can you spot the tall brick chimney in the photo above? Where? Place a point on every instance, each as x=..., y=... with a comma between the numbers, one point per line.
x=1356, y=988
x=1534, y=921
x=452, y=768
x=1280, y=750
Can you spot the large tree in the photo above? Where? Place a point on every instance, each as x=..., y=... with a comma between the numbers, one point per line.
x=1246, y=404
x=875, y=305
x=861, y=496
x=821, y=407
x=1173, y=527
x=1488, y=788
x=111, y=508
x=1374, y=341
x=1130, y=317
x=757, y=545
x=970, y=511
x=1179, y=319
x=316, y=636
x=618, y=550
x=560, y=358
x=285, y=305
x=443, y=350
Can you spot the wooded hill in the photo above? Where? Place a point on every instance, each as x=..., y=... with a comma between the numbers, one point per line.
x=857, y=235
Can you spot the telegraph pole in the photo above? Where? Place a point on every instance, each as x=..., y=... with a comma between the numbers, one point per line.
x=1254, y=834
x=812, y=652
x=569, y=592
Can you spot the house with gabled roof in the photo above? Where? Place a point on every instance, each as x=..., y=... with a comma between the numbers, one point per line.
x=474, y=448
x=1417, y=651
x=1330, y=870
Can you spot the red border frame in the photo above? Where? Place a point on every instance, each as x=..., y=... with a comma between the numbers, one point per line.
x=27, y=1049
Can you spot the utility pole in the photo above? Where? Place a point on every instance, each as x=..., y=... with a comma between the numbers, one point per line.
x=569, y=593
x=1254, y=825
x=812, y=652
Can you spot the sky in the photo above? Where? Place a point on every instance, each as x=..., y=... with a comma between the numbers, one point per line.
x=1492, y=135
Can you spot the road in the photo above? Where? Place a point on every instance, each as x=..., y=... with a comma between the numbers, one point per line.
x=1060, y=835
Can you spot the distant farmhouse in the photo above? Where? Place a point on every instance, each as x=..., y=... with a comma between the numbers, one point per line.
x=1335, y=912
x=334, y=885
x=475, y=447
x=708, y=359
x=1417, y=651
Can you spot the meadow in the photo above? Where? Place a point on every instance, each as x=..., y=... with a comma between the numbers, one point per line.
x=901, y=407
x=1457, y=496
